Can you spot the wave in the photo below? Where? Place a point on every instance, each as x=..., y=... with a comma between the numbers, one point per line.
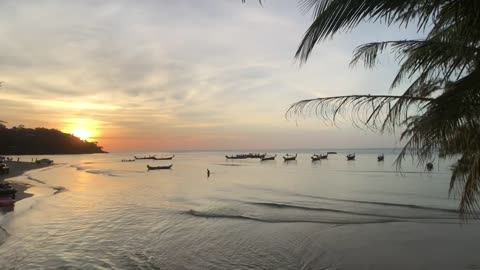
x=410, y=206
x=29, y=177
x=307, y=208
x=267, y=220
x=231, y=164
x=78, y=167
x=390, y=172
x=58, y=189
x=3, y=235
x=413, y=206
x=103, y=172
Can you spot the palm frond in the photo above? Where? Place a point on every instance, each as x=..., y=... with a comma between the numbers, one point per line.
x=362, y=110
x=335, y=15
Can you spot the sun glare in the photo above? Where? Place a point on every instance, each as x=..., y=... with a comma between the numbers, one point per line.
x=81, y=133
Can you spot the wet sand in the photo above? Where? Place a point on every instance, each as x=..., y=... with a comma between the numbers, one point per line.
x=17, y=169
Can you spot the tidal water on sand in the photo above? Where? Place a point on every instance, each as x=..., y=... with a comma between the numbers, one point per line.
x=96, y=212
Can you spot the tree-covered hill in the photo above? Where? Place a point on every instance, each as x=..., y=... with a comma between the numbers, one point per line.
x=38, y=141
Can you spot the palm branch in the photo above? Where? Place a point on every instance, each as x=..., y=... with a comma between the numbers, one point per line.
x=439, y=111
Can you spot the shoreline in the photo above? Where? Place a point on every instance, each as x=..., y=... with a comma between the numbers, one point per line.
x=18, y=168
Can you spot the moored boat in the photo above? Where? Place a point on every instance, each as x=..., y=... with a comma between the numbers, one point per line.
x=289, y=157
x=322, y=156
x=164, y=158
x=315, y=157
x=4, y=168
x=245, y=156
x=268, y=158
x=429, y=166
x=159, y=167
x=351, y=156
x=149, y=157
x=381, y=157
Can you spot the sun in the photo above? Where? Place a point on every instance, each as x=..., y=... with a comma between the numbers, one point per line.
x=81, y=133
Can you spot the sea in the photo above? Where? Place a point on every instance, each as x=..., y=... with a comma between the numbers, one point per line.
x=96, y=212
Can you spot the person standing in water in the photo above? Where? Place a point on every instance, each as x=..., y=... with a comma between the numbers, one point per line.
x=208, y=172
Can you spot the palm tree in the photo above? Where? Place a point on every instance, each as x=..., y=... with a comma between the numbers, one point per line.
x=440, y=110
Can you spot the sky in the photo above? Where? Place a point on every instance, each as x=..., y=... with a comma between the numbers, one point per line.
x=181, y=75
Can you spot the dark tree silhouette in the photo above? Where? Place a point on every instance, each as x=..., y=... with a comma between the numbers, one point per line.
x=27, y=141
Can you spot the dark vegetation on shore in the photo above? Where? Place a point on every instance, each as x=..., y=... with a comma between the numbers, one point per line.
x=42, y=141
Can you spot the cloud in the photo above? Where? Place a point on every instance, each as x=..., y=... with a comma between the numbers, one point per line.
x=169, y=67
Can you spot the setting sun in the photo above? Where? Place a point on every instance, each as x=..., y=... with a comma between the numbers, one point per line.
x=81, y=133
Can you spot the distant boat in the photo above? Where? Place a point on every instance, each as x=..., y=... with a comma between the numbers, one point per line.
x=289, y=157
x=268, y=158
x=159, y=167
x=324, y=156
x=351, y=156
x=316, y=157
x=149, y=157
x=331, y=153
x=164, y=158
x=429, y=166
x=128, y=160
x=381, y=157
x=245, y=156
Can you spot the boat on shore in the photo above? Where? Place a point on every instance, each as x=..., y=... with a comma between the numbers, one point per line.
x=6, y=202
x=6, y=190
x=268, y=158
x=164, y=158
x=351, y=156
x=43, y=161
x=381, y=158
x=289, y=157
x=149, y=157
x=159, y=167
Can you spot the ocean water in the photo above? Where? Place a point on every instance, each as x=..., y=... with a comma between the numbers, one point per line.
x=95, y=212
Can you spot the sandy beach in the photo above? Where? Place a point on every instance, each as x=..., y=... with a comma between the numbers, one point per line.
x=17, y=169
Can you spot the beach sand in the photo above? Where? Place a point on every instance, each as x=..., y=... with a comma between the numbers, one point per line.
x=17, y=169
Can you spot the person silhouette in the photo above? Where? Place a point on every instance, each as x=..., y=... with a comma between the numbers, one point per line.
x=208, y=172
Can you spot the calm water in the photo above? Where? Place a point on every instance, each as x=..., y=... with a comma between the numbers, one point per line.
x=95, y=212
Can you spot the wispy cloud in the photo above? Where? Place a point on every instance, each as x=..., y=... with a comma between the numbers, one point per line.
x=216, y=71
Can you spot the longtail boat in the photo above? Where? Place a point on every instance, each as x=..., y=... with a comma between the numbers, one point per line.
x=149, y=157
x=289, y=157
x=159, y=167
x=351, y=156
x=164, y=158
x=268, y=158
